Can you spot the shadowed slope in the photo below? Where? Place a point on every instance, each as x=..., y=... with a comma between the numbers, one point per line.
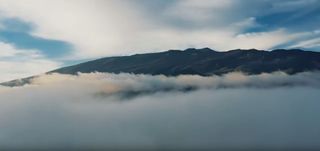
x=203, y=62
x=200, y=62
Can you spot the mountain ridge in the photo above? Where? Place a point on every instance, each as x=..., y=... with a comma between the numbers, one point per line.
x=204, y=62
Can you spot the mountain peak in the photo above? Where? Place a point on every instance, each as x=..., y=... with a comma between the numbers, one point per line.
x=252, y=50
x=206, y=49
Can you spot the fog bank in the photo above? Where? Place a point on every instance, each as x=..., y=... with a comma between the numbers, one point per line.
x=235, y=111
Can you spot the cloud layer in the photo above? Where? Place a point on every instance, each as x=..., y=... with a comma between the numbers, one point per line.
x=268, y=111
x=105, y=28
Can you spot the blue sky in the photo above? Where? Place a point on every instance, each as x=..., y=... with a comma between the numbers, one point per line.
x=41, y=35
x=18, y=32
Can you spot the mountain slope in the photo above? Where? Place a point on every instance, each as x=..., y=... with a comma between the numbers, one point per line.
x=203, y=62
x=199, y=61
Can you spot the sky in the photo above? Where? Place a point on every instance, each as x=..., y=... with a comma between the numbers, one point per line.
x=40, y=35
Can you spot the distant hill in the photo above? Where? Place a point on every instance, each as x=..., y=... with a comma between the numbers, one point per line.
x=200, y=62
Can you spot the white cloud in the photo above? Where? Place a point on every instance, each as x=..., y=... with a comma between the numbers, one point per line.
x=64, y=111
x=17, y=63
x=198, y=12
x=310, y=43
x=263, y=40
x=98, y=28
x=123, y=84
x=94, y=27
x=7, y=50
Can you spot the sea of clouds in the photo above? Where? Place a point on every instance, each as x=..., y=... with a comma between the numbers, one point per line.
x=127, y=111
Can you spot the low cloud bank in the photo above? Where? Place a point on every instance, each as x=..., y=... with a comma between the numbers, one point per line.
x=235, y=111
x=130, y=85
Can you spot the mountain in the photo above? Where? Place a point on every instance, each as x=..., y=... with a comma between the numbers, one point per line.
x=200, y=62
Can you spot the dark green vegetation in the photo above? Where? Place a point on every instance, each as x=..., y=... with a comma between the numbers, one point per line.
x=200, y=62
